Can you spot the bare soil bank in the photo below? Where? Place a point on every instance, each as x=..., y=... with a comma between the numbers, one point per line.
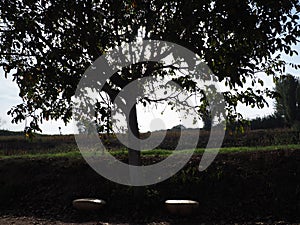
x=236, y=188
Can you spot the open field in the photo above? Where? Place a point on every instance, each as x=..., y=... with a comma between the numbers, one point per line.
x=16, y=144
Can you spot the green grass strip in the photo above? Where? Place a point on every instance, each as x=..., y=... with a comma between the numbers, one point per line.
x=155, y=152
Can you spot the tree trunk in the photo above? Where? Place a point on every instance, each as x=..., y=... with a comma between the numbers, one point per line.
x=134, y=156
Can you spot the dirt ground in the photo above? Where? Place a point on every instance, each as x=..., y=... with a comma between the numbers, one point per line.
x=238, y=188
x=6, y=220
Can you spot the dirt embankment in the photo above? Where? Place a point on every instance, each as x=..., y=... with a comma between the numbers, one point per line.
x=237, y=187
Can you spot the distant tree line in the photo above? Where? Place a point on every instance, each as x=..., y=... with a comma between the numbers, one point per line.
x=268, y=122
x=287, y=106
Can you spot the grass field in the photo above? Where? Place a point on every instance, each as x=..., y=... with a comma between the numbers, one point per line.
x=16, y=145
x=75, y=153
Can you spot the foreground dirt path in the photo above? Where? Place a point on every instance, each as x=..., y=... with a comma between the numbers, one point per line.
x=9, y=220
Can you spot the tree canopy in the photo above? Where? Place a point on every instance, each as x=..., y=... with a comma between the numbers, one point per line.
x=47, y=45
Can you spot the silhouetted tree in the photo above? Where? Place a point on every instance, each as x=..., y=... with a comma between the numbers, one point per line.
x=288, y=103
x=47, y=45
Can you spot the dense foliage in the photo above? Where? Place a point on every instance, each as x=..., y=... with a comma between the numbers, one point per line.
x=47, y=45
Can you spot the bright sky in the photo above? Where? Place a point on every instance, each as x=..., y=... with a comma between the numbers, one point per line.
x=9, y=97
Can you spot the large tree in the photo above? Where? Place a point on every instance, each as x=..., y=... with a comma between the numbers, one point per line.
x=47, y=45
